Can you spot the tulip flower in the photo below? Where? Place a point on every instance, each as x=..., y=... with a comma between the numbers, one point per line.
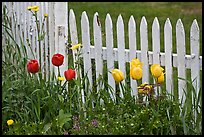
x=45, y=15
x=61, y=78
x=33, y=66
x=75, y=46
x=70, y=74
x=156, y=70
x=57, y=59
x=10, y=122
x=35, y=8
x=117, y=75
x=136, y=73
x=135, y=63
x=29, y=7
x=160, y=78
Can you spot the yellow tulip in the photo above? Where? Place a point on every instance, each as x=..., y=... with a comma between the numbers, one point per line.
x=29, y=7
x=117, y=75
x=10, y=122
x=45, y=15
x=61, y=78
x=35, y=8
x=135, y=63
x=136, y=73
x=156, y=70
x=75, y=46
x=160, y=78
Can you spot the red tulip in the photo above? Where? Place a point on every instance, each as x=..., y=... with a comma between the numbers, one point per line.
x=33, y=66
x=70, y=74
x=57, y=59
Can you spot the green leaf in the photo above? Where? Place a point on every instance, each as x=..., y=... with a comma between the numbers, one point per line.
x=41, y=37
x=61, y=99
x=63, y=118
x=47, y=127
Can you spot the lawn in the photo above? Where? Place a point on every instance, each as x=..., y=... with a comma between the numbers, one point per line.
x=186, y=11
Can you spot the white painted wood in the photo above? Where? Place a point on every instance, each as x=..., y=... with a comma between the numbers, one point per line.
x=195, y=52
x=168, y=56
x=86, y=49
x=73, y=32
x=144, y=50
x=98, y=47
x=47, y=58
x=156, y=41
x=110, y=60
x=181, y=51
x=156, y=45
x=150, y=54
x=61, y=32
x=51, y=40
x=132, y=47
x=121, y=48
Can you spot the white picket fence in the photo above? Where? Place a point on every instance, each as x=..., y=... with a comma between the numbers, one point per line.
x=56, y=41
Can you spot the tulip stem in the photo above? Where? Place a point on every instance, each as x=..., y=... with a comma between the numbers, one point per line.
x=64, y=85
x=123, y=91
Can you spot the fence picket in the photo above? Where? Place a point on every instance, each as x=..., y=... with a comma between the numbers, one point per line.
x=51, y=40
x=195, y=71
x=110, y=55
x=47, y=58
x=61, y=33
x=144, y=50
x=156, y=44
x=86, y=49
x=168, y=55
x=98, y=47
x=121, y=47
x=132, y=47
x=181, y=51
x=73, y=32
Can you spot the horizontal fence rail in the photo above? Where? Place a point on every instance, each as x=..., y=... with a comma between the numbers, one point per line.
x=56, y=41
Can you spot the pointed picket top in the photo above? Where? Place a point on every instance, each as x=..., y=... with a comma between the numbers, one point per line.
x=155, y=23
x=156, y=41
x=195, y=29
x=71, y=13
x=131, y=20
x=179, y=27
x=167, y=24
x=108, y=19
x=84, y=17
x=120, y=18
x=95, y=17
x=194, y=36
x=143, y=22
x=73, y=27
